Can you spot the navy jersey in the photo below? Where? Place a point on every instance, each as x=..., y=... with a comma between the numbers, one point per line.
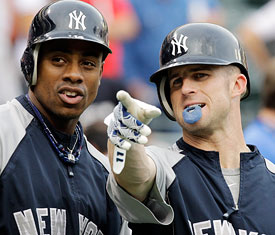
x=191, y=196
x=38, y=193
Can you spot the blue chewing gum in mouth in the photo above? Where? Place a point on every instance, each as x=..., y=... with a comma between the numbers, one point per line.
x=192, y=114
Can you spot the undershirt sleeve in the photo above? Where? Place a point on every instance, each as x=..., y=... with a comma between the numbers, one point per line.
x=154, y=210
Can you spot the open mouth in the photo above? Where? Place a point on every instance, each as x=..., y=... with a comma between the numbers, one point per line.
x=192, y=107
x=70, y=97
x=70, y=94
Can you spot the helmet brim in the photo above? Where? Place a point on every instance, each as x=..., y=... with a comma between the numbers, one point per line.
x=72, y=36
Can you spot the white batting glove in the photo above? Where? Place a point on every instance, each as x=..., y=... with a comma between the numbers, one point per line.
x=128, y=123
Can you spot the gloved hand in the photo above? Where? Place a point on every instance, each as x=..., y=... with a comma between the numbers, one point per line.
x=128, y=123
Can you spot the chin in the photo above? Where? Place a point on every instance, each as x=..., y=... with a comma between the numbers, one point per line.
x=200, y=130
x=195, y=127
x=68, y=115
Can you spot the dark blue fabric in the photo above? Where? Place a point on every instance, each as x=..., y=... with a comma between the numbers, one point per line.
x=201, y=198
x=36, y=178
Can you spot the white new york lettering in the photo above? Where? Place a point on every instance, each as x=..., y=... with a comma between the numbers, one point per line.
x=224, y=228
x=40, y=213
x=89, y=226
x=198, y=227
x=79, y=20
x=181, y=43
x=190, y=226
x=99, y=233
x=25, y=222
x=221, y=227
x=91, y=229
x=58, y=221
x=83, y=221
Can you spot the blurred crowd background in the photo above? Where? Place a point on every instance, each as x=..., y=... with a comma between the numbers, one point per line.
x=137, y=29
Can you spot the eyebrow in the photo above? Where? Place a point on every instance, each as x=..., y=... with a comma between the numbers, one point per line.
x=192, y=70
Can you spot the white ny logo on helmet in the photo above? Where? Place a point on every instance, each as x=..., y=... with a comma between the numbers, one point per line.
x=79, y=20
x=181, y=43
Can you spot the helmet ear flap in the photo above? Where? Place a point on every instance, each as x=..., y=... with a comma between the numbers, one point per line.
x=27, y=65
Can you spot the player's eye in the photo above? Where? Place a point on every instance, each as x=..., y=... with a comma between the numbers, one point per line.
x=58, y=60
x=176, y=82
x=89, y=64
x=200, y=76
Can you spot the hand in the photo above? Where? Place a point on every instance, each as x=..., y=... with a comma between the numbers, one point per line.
x=142, y=111
x=128, y=121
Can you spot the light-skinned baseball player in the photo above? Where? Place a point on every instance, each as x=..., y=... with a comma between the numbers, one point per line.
x=210, y=181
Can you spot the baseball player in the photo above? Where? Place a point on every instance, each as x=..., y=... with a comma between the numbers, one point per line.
x=52, y=181
x=209, y=181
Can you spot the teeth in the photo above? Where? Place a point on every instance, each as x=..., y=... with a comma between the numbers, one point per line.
x=70, y=93
x=194, y=105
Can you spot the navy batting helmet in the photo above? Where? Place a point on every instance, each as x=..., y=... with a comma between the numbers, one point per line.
x=67, y=19
x=197, y=43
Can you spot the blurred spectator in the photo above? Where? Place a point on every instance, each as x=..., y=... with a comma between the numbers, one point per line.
x=206, y=11
x=96, y=134
x=24, y=11
x=261, y=131
x=157, y=18
x=123, y=25
x=258, y=35
x=9, y=85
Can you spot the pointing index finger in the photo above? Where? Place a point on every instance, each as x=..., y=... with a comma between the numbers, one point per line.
x=125, y=99
x=142, y=111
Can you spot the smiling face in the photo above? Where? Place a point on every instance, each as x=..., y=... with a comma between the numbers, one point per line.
x=69, y=73
x=211, y=87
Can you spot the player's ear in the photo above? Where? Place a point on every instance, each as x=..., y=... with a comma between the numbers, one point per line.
x=239, y=87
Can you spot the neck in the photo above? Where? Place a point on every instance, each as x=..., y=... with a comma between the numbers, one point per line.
x=67, y=126
x=228, y=141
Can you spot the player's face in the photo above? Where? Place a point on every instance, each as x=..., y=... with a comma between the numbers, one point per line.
x=208, y=86
x=69, y=73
